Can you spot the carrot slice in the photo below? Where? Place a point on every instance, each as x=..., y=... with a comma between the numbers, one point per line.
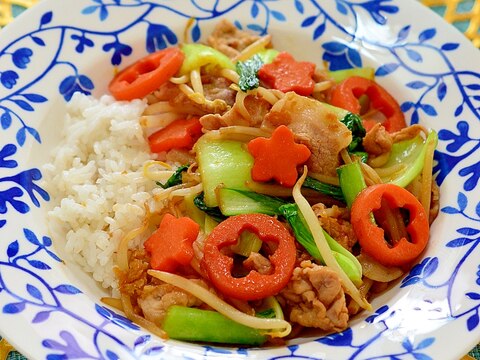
x=170, y=246
x=284, y=73
x=180, y=134
x=277, y=157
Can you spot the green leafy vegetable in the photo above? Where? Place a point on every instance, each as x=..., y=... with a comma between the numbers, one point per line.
x=175, y=179
x=354, y=123
x=236, y=202
x=302, y=233
x=327, y=189
x=266, y=314
x=248, y=71
x=213, y=211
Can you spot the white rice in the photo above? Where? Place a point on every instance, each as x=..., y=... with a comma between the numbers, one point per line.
x=96, y=181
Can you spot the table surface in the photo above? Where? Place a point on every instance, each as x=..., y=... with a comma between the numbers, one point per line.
x=463, y=14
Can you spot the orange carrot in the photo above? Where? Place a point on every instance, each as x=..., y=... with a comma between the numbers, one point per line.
x=180, y=134
x=284, y=73
x=170, y=245
x=277, y=157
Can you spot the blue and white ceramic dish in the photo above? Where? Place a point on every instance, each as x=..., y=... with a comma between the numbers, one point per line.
x=48, y=310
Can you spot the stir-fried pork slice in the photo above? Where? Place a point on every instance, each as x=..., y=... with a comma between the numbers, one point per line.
x=229, y=40
x=407, y=133
x=255, y=107
x=335, y=222
x=377, y=141
x=218, y=88
x=315, y=126
x=156, y=299
x=315, y=298
x=132, y=281
x=217, y=92
x=258, y=262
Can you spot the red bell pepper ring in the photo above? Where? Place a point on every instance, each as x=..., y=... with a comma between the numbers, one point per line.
x=372, y=237
x=147, y=74
x=253, y=286
x=346, y=94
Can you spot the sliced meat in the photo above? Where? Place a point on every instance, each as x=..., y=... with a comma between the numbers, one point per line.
x=218, y=88
x=133, y=281
x=253, y=113
x=313, y=125
x=408, y=133
x=156, y=299
x=335, y=222
x=229, y=40
x=259, y=263
x=434, y=202
x=315, y=298
x=377, y=141
x=182, y=104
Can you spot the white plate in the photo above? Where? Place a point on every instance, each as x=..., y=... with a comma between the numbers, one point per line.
x=49, y=311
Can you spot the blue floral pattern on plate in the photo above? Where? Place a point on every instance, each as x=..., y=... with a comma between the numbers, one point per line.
x=59, y=48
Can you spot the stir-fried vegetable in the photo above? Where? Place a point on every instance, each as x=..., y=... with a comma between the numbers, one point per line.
x=225, y=198
x=340, y=75
x=277, y=157
x=372, y=237
x=199, y=55
x=193, y=211
x=248, y=71
x=146, y=75
x=180, y=134
x=347, y=93
x=268, y=55
x=322, y=244
x=175, y=179
x=326, y=189
x=191, y=324
x=354, y=123
x=411, y=155
x=274, y=327
x=254, y=285
x=235, y=202
x=286, y=74
x=248, y=242
x=171, y=244
x=351, y=181
x=222, y=162
x=212, y=211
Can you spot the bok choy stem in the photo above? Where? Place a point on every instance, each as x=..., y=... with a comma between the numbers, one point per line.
x=192, y=324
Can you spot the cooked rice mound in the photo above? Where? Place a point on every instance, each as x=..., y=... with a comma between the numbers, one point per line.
x=96, y=181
